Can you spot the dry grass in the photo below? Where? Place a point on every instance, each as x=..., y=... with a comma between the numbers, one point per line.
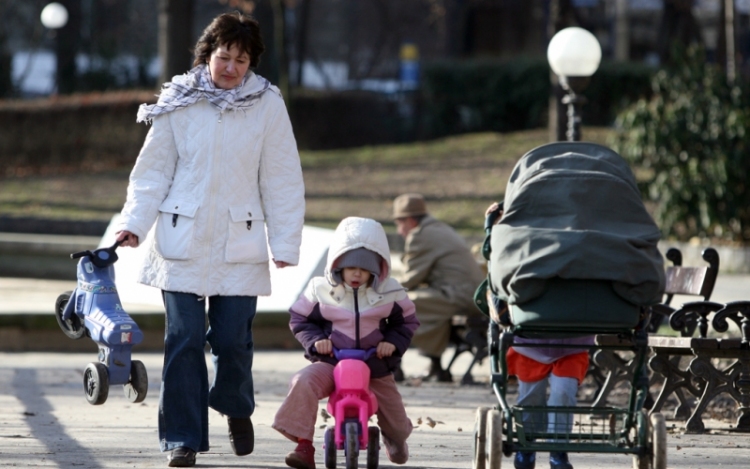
x=458, y=175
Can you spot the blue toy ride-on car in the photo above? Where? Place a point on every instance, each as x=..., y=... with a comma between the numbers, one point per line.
x=93, y=309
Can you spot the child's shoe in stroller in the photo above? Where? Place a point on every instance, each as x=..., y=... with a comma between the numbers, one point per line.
x=559, y=461
x=397, y=453
x=303, y=456
x=524, y=460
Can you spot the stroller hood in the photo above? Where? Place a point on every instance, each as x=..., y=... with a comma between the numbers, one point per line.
x=573, y=211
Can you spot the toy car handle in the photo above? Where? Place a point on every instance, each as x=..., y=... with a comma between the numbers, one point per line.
x=77, y=255
x=356, y=354
x=350, y=353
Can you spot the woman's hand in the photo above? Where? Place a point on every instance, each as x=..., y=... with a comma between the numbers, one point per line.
x=324, y=347
x=492, y=208
x=280, y=264
x=127, y=239
x=385, y=349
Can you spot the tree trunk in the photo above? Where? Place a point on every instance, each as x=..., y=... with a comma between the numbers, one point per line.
x=175, y=37
x=67, y=46
x=678, y=28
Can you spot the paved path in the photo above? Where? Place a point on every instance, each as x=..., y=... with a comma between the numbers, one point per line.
x=46, y=422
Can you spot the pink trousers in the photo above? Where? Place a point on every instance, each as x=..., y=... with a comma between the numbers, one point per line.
x=296, y=417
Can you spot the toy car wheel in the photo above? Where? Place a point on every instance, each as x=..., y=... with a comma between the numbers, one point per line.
x=72, y=327
x=96, y=383
x=351, y=444
x=659, y=441
x=137, y=386
x=373, y=447
x=494, y=439
x=480, y=438
x=329, y=447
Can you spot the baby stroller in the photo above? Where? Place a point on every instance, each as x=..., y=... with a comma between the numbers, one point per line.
x=573, y=254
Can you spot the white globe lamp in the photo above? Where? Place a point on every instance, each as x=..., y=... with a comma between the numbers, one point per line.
x=54, y=16
x=574, y=52
x=574, y=55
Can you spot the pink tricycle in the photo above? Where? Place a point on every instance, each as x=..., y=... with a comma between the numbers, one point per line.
x=351, y=405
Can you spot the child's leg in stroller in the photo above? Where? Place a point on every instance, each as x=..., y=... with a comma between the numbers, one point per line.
x=532, y=393
x=562, y=394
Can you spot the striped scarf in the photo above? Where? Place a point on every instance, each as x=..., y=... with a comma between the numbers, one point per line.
x=196, y=84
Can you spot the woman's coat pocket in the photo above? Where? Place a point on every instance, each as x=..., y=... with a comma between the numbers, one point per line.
x=174, y=229
x=247, y=236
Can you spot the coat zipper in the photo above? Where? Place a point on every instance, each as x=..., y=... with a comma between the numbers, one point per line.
x=356, y=318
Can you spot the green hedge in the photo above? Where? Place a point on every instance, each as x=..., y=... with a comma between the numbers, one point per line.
x=501, y=96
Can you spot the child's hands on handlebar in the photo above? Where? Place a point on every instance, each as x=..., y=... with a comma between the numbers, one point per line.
x=324, y=347
x=385, y=349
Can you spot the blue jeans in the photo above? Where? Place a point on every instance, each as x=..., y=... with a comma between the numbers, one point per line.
x=185, y=393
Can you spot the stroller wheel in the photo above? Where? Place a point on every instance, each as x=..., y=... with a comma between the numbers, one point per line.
x=72, y=327
x=494, y=439
x=137, y=387
x=659, y=440
x=96, y=383
x=480, y=439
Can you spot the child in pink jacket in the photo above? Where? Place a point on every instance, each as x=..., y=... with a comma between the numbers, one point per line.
x=355, y=305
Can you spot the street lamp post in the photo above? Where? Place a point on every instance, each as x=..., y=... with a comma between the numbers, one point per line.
x=54, y=16
x=574, y=55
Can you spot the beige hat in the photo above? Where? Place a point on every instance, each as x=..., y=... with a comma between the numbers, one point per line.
x=409, y=205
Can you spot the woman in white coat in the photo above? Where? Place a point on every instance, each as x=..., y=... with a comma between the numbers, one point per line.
x=220, y=175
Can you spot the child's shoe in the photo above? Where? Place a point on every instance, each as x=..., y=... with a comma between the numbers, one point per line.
x=559, y=461
x=397, y=453
x=303, y=456
x=525, y=460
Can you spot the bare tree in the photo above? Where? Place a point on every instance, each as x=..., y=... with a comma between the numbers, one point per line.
x=175, y=37
x=678, y=28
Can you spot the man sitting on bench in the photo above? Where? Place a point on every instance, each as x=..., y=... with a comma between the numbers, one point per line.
x=441, y=275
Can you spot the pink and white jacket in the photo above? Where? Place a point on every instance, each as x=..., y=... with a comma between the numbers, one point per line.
x=327, y=310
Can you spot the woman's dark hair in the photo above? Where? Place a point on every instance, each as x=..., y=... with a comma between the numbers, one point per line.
x=230, y=29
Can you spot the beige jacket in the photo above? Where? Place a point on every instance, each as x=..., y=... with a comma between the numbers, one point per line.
x=438, y=257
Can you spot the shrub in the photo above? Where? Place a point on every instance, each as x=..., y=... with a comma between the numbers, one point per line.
x=501, y=96
x=689, y=137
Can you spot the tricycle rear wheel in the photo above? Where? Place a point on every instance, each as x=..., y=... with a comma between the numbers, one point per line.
x=137, y=386
x=373, y=447
x=72, y=327
x=329, y=442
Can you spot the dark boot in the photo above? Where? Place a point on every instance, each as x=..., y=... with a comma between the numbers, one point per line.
x=181, y=457
x=241, y=435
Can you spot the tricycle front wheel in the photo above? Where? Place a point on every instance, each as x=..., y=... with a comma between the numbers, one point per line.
x=96, y=383
x=351, y=444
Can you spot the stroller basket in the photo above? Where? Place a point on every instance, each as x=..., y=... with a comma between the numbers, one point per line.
x=585, y=428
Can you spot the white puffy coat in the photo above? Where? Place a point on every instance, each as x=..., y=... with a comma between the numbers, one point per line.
x=211, y=181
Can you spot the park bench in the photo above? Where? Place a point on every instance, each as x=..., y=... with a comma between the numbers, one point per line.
x=468, y=335
x=716, y=365
x=610, y=368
